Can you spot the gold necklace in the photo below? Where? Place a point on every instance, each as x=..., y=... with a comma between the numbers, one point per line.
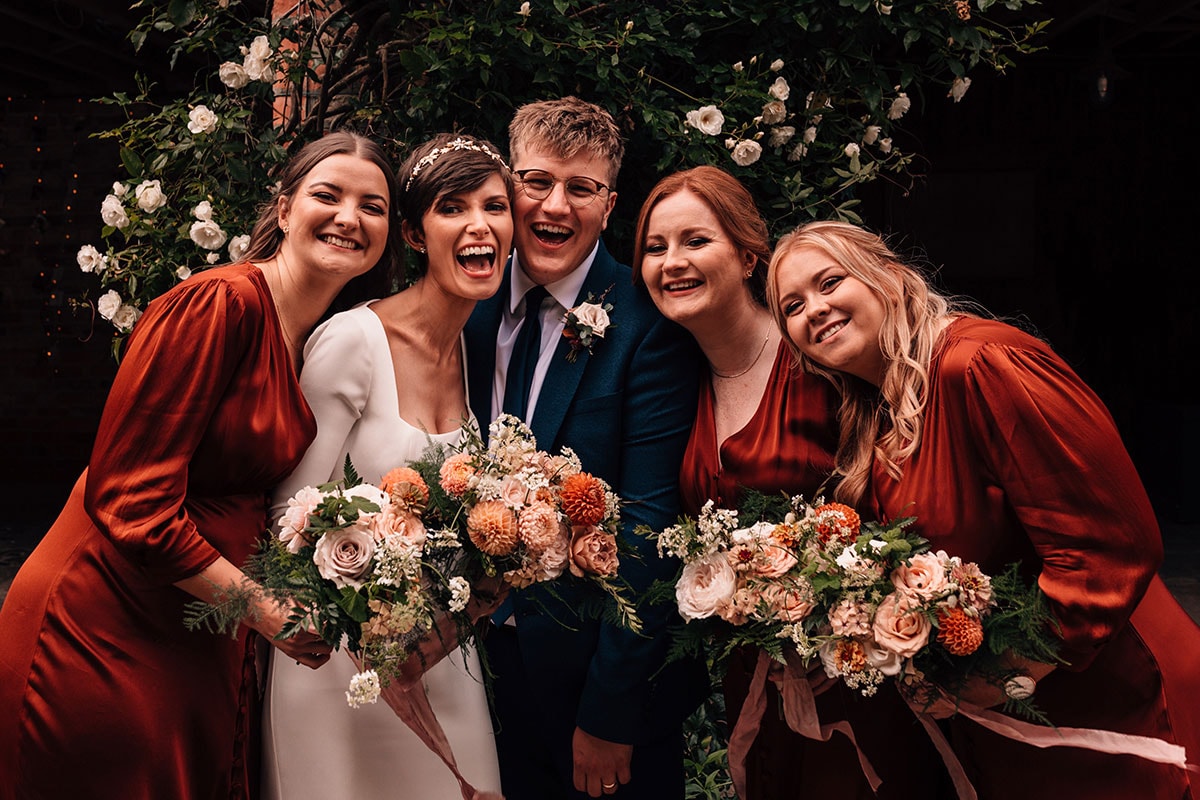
x=750, y=366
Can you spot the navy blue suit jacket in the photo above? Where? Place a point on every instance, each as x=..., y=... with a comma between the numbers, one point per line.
x=626, y=410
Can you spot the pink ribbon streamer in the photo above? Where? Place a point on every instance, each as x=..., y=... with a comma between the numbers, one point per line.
x=411, y=705
x=1041, y=736
x=799, y=710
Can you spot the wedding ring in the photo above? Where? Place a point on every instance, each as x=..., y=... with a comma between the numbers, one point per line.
x=607, y=786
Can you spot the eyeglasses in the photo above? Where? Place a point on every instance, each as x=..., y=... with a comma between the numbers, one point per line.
x=580, y=191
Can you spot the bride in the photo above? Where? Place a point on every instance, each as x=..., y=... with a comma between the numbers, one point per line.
x=384, y=380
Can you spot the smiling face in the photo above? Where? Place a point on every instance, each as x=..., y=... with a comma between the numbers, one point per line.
x=552, y=236
x=832, y=317
x=468, y=236
x=690, y=266
x=337, y=219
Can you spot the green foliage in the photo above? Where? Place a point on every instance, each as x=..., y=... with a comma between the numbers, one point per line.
x=400, y=72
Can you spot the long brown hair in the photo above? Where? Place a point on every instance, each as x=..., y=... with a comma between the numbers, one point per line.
x=733, y=207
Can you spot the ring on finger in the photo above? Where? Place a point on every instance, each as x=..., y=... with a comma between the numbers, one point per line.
x=607, y=786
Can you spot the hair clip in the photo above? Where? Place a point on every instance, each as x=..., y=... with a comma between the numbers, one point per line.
x=454, y=144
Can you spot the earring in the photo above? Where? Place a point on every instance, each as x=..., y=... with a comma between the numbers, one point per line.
x=748, y=274
x=284, y=228
x=421, y=250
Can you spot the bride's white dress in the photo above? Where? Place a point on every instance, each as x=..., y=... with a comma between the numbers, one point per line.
x=314, y=744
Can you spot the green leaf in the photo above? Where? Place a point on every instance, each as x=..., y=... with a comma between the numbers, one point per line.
x=131, y=162
x=181, y=12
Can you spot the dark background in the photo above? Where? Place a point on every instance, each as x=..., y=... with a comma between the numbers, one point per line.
x=1040, y=199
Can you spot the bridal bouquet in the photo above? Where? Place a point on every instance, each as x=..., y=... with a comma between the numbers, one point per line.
x=526, y=515
x=866, y=600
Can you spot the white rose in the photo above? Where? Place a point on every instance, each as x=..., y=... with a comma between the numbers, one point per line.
x=203, y=210
x=125, y=316
x=899, y=107
x=113, y=212
x=738, y=67
x=871, y=135
x=959, y=88
x=260, y=47
x=238, y=246
x=233, y=75
x=150, y=196
x=881, y=658
x=851, y=150
x=746, y=152
x=344, y=556
x=706, y=584
x=119, y=189
x=108, y=304
x=781, y=135
x=524, y=10
x=207, y=234
x=257, y=69
x=211, y=258
x=594, y=316
x=90, y=259
x=777, y=65
x=707, y=119
x=773, y=112
x=886, y=145
x=780, y=89
x=810, y=134
x=201, y=119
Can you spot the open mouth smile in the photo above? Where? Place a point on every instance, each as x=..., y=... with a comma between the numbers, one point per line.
x=344, y=244
x=830, y=331
x=552, y=235
x=477, y=258
x=681, y=286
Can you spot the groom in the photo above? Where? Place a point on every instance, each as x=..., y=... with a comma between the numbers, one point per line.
x=582, y=706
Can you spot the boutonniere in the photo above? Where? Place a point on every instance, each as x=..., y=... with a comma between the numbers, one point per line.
x=585, y=323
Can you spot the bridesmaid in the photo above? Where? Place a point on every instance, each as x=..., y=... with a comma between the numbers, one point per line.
x=936, y=398
x=386, y=381
x=702, y=248
x=103, y=691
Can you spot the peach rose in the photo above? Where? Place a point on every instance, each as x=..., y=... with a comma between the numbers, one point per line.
x=705, y=585
x=924, y=576
x=344, y=556
x=390, y=522
x=900, y=626
x=593, y=552
x=790, y=604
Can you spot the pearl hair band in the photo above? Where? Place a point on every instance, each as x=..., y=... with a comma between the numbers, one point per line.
x=451, y=146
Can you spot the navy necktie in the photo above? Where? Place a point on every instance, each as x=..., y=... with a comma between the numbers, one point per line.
x=523, y=361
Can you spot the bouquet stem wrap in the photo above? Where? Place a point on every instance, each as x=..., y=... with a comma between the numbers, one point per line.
x=411, y=705
x=799, y=709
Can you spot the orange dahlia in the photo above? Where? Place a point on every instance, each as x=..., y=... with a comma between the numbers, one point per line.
x=493, y=527
x=406, y=487
x=583, y=499
x=850, y=656
x=837, y=520
x=959, y=632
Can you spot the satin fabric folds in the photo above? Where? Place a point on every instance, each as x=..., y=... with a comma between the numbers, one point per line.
x=103, y=691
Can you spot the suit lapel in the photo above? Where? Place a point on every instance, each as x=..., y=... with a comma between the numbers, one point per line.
x=563, y=376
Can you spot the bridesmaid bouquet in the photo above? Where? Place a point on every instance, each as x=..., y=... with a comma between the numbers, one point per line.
x=527, y=516
x=867, y=601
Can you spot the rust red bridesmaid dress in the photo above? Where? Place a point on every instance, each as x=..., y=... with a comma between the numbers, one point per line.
x=103, y=691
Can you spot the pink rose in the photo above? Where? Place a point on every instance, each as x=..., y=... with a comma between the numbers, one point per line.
x=514, y=492
x=593, y=551
x=900, y=625
x=790, y=604
x=705, y=585
x=594, y=316
x=388, y=522
x=924, y=576
x=295, y=518
x=344, y=556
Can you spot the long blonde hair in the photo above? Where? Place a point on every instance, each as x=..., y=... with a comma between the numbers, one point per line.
x=884, y=423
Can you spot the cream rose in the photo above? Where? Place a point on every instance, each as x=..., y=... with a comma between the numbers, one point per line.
x=233, y=75
x=871, y=134
x=238, y=246
x=90, y=259
x=207, y=234
x=112, y=211
x=781, y=135
x=594, y=316
x=774, y=112
x=899, y=106
x=706, y=119
x=593, y=552
x=746, y=152
x=705, y=585
x=881, y=658
x=900, y=626
x=959, y=88
x=344, y=556
x=108, y=304
x=294, y=519
x=203, y=210
x=201, y=119
x=150, y=197
x=370, y=493
x=125, y=317
x=924, y=576
x=780, y=89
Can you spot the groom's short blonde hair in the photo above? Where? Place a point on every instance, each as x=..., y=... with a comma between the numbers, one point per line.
x=566, y=127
